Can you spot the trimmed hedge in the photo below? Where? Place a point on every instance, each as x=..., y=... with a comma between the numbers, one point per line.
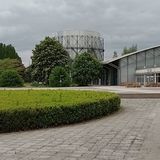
x=20, y=119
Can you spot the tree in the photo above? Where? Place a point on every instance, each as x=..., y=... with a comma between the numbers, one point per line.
x=47, y=55
x=131, y=49
x=59, y=77
x=10, y=79
x=27, y=74
x=86, y=69
x=8, y=51
x=115, y=54
x=12, y=64
x=9, y=59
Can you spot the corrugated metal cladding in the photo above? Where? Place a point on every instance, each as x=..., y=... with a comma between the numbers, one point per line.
x=142, y=67
x=77, y=42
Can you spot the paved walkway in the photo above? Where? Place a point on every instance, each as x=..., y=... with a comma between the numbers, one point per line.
x=117, y=89
x=131, y=134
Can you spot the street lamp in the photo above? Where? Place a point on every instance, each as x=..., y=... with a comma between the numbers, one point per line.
x=60, y=80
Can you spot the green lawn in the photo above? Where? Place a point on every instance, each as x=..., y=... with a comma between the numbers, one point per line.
x=14, y=99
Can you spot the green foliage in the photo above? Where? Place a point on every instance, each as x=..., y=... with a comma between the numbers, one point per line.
x=27, y=74
x=86, y=69
x=12, y=64
x=8, y=51
x=10, y=79
x=59, y=78
x=30, y=109
x=129, y=50
x=46, y=55
x=37, y=84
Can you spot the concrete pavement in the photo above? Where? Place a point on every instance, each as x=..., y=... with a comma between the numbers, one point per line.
x=117, y=89
x=143, y=92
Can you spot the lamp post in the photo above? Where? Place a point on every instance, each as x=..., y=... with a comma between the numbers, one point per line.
x=60, y=80
x=155, y=75
x=145, y=77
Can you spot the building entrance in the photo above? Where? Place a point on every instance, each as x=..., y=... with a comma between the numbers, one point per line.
x=158, y=78
x=149, y=78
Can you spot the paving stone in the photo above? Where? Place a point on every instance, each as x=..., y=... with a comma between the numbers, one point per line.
x=130, y=134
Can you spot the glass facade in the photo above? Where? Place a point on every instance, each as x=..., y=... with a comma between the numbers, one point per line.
x=146, y=61
x=157, y=57
x=142, y=67
x=148, y=78
x=140, y=79
x=123, y=70
x=149, y=59
x=140, y=60
x=131, y=68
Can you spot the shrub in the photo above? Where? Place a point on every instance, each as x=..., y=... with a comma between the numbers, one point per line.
x=59, y=78
x=38, y=84
x=10, y=79
x=63, y=111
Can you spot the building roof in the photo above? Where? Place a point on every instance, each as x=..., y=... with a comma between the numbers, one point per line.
x=127, y=55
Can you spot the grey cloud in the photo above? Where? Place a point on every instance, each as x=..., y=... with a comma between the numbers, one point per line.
x=121, y=22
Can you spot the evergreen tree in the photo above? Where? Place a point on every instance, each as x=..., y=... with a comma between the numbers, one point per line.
x=47, y=55
x=8, y=51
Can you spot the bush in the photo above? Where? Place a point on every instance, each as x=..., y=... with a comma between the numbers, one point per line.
x=10, y=79
x=38, y=84
x=63, y=111
x=59, y=78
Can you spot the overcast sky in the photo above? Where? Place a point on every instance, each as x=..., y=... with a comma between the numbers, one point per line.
x=24, y=23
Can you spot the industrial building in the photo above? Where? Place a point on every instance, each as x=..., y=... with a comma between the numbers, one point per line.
x=77, y=42
x=142, y=66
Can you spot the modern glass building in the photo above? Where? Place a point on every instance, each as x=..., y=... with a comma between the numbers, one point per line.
x=142, y=66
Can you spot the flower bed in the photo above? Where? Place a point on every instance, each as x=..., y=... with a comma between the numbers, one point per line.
x=33, y=109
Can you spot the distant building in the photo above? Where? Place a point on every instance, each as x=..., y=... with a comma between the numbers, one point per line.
x=77, y=42
x=142, y=66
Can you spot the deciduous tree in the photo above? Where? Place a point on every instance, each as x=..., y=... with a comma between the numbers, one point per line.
x=48, y=54
x=131, y=49
x=86, y=69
